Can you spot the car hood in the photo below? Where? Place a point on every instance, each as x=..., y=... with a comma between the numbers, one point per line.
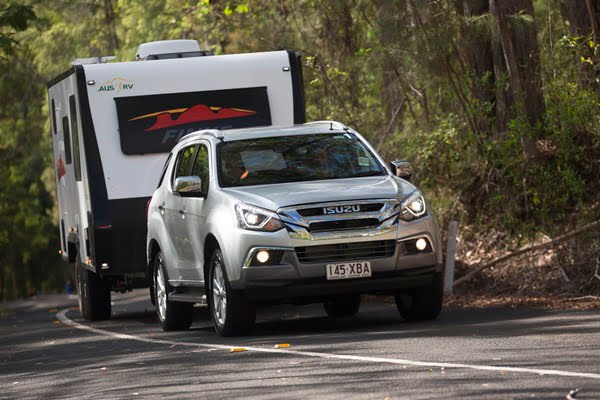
x=275, y=196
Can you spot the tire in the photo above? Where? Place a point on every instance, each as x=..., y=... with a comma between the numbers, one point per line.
x=93, y=293
x=172, y=315
x=231, y=313
x=342, y=306
x=421, y=304
x=152, y=287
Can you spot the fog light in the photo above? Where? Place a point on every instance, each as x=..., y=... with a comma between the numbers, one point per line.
x=421, y=244
x=263, y=256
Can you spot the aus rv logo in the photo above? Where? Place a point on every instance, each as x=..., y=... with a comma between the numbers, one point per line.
x=116, y=85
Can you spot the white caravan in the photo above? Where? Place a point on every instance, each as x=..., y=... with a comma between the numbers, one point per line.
x=113, y=125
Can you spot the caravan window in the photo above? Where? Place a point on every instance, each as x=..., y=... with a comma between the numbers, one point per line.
x=67, y=139
x=75, y=133
x=155, y=123
x=53, y=116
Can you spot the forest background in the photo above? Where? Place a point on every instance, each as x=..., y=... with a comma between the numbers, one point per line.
x=496, y=103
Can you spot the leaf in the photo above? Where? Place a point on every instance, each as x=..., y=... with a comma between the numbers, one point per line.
x=7, y=44
x=242, y=9
x=18, y=17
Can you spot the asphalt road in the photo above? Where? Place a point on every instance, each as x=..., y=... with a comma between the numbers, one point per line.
x=50, y=352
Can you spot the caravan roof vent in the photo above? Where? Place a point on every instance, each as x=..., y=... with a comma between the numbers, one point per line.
x=165, y=49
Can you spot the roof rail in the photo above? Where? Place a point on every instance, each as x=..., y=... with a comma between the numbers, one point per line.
x=216, y=133
x=332, y=124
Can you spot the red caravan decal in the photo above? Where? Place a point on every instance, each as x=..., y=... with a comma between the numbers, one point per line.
x=60, y=168
x=197, y=113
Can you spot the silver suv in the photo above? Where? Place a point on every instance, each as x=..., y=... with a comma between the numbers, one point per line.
x=304, y=214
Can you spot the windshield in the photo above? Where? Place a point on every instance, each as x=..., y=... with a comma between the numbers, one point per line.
x=295, y=158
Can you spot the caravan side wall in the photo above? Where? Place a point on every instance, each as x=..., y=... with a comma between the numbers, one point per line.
x=70, y=168
x=119, y=175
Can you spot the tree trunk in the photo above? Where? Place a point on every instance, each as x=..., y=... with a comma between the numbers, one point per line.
x=389, y=24
x=109, y=18
x=478, y=53
x=518, y=37
x=584, y=22
x=583, y=16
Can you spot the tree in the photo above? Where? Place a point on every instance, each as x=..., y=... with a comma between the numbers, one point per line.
x=584, y=23
x=14, y=18
x=518, y=36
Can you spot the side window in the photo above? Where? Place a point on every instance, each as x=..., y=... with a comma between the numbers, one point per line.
x=184, y=162
x=75, y=133
x=53, y=116
x=164, y=171
x=67, y=139
x=201, y=167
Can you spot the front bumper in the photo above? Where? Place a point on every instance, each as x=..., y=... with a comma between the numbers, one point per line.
x=292, y=278
x=318, y=289
x=296, y=276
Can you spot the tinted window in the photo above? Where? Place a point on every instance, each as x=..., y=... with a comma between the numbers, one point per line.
x=53, y=116
x=201, y=167
x=75, y=133
x=67, y=139
x=185, y=162
x=294, y=159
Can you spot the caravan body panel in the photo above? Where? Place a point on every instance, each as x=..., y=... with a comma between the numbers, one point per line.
x=130, y=115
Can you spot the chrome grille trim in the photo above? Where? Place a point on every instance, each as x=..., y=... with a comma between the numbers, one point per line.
x=299, y=226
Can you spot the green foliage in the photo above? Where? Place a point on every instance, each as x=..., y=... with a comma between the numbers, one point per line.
x=14, y=18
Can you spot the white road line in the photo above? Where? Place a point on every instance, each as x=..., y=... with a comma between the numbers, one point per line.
x=62, y=317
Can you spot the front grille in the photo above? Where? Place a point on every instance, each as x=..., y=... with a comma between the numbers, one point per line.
x=342, y=225
x=312, y=212
x=346, y=251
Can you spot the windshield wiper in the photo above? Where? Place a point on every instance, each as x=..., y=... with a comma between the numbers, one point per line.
x=367, y=173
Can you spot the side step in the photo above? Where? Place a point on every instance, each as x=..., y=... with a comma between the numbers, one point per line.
x=191, y=295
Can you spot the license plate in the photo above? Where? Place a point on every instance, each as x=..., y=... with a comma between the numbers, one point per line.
x=349, y=270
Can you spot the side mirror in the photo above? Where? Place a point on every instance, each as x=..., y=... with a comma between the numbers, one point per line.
x=402, y=169
x=188, y=186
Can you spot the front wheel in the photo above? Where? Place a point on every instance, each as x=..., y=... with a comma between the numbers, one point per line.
x=93, y=293
x=232, y=315
x=421, y=304
x=172, y=315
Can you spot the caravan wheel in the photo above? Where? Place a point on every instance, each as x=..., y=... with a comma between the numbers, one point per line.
x=93, y=293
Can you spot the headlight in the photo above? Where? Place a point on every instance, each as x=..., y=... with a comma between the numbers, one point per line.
x=413, y=207
x=257, y=219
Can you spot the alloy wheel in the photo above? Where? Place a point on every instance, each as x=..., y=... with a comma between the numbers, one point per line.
x=219, y=294
x=161, y=291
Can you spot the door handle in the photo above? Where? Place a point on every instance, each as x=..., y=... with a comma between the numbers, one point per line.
x=182, y=212
x=161, y=207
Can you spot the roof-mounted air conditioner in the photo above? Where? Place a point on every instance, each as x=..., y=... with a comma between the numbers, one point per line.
x=167, y=49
